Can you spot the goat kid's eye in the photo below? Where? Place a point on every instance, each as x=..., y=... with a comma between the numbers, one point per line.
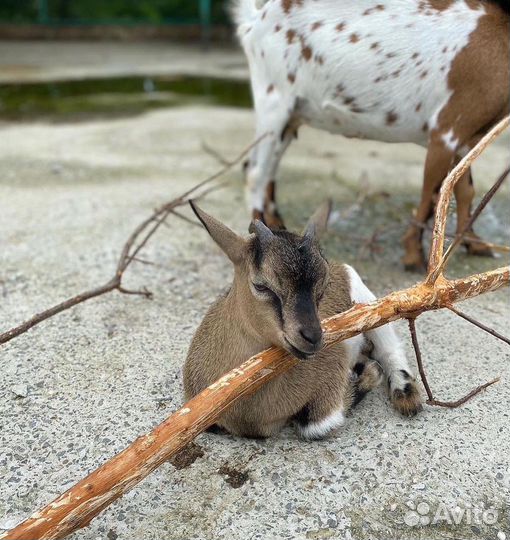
x=261, y=288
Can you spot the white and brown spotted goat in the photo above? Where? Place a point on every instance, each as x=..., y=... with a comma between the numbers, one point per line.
x=431, y=72
x=282, y=288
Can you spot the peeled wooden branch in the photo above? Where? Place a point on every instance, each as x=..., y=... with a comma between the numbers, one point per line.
x=79, y=505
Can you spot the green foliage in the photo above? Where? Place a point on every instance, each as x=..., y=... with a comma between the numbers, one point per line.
x=18, y=10
x=97, y=11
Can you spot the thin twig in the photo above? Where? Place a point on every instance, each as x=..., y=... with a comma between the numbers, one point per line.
x=145, y=261
x=226, y=168
x=210, y=189
x=58, y=308
x=445, y=194
x=157, y=224
x=215, y=154
x=467, y=238
x=185, y=218
x=133, y=245
x=431, y=400
x=369, y=244
x=487, y=329
x=465, y=399
x=142, y=292
x=419, y=361
x=152, y=263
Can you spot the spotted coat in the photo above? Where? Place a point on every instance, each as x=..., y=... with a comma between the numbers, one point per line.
x=430, y=72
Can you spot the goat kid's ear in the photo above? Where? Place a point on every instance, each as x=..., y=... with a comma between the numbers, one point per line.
x=318, y=223
x=231, y=243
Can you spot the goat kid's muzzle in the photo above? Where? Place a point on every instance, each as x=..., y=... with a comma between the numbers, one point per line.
x=304, y=347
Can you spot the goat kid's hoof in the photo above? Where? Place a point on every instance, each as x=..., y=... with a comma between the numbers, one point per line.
x=405, y=396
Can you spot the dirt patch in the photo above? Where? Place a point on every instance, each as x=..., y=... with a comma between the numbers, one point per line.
x=187, y=456
x=233, y=477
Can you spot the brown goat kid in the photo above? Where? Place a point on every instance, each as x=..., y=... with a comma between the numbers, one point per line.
x=283, y=287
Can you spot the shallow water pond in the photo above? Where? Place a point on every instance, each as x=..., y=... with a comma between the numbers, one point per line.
x=83, y=99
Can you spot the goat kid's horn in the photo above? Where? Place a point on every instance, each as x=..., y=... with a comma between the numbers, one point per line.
x=310, y=232
x=263, y=233
x=318, y=222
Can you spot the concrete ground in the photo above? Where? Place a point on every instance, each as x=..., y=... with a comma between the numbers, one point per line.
x=30, y=61
x=80, y=387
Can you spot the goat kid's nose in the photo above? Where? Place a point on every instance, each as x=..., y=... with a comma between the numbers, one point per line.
x=311, y=335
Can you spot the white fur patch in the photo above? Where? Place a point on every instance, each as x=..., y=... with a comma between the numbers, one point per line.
x=388, y=350
x=360, y=293
x=317, y=430
x=450, y=141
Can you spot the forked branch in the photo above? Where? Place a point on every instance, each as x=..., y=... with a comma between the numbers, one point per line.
x=438, y=235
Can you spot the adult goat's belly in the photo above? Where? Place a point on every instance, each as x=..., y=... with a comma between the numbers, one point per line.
x=369, y=122
x=387, y=114
x=397, y=99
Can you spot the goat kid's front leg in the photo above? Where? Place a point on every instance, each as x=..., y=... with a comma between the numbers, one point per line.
x=388, y=351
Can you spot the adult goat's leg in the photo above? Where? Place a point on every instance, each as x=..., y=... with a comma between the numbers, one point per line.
x=437, y=164
x=263, y=164
x=272, y=216
x=464, y=195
